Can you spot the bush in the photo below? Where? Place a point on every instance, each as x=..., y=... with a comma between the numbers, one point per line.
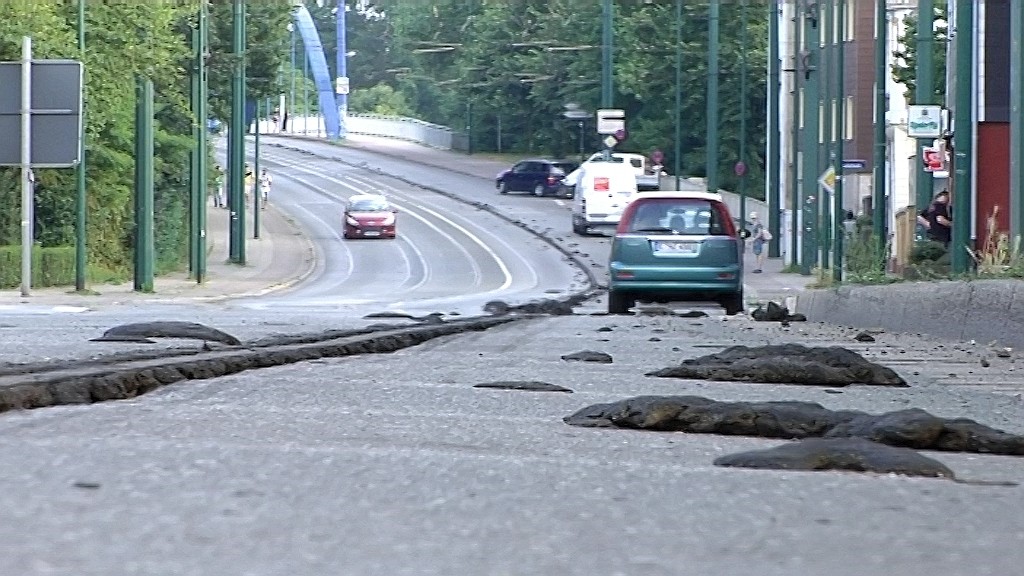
x=927, y=251
x=53, y=266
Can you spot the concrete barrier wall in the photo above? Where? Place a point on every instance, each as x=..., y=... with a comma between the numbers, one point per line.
x=980, y=310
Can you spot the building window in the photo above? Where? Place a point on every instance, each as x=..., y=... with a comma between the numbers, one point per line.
x=849, y=117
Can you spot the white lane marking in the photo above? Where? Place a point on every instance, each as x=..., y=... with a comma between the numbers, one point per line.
x=477, y=272
x=506, y=273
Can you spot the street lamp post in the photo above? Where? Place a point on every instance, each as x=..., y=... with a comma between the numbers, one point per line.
x=879, y=202
x=607, y=39
x=291, y=96
x=677, y=153
x=80, y=198
x=711, y=151
x=341, y=87
x=812, y=124
x=741, y=166
x=236, y=137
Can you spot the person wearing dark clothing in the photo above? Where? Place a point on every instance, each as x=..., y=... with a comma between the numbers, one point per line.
x=937, y=220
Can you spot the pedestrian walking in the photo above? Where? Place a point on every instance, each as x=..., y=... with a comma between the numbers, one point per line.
x=759, y=235
x=250, y=183
x=220, y=198
x=266, y=180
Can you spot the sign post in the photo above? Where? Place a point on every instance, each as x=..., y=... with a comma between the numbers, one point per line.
x=611, y=122
x=42, y=128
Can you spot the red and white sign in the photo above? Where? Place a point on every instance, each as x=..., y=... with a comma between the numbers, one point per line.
x=934, y=159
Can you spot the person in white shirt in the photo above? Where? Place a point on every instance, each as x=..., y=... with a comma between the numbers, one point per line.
x=265, y=182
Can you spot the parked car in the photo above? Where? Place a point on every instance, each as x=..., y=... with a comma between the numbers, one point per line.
x=648, y=176
x=369, y=216
x=541, y=177
x=676, y=246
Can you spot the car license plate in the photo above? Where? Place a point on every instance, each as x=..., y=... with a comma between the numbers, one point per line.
x=371, y=233
x=680, y=248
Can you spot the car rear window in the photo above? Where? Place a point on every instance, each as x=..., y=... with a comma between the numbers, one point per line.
x=679, y=216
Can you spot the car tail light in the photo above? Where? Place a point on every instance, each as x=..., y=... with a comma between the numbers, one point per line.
x=726, y=275
x=552, y=180
x=624, y=275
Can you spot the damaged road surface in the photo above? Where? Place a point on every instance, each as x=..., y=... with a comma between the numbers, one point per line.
x=452, y=457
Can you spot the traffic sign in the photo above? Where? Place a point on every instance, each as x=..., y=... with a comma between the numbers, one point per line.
x=610, y=141
x=827, y=180
x=657, y=156
x=933, y=158
x=610, y=121
x=55, y=111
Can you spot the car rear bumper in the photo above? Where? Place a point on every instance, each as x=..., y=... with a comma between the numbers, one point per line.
x=658, y=279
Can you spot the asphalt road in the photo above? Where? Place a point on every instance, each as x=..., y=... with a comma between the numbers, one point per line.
x=446, y=257
x=395, y=464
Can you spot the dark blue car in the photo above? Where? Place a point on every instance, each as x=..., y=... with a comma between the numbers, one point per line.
x=537, y=176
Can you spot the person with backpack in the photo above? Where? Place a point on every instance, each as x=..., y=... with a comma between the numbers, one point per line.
x=759, y=236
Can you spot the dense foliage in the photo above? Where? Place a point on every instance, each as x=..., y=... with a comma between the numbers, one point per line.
x=125, y=41
x=507, y=68
x=904, y=69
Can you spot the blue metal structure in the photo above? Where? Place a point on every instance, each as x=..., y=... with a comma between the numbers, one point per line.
x=321, y=75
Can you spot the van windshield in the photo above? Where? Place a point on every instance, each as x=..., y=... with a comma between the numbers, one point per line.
x=679, y=216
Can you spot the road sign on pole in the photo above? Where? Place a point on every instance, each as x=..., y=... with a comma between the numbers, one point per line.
x=828, y=179
x=610, y=121
x=55, y=110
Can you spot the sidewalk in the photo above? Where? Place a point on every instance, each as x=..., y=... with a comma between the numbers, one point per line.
x=280, y=257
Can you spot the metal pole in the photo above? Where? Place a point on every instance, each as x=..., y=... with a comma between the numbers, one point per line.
x=469, y=127
x=677, y=156
x=291, y=99
x=838, y=209
x=607, y=39
x=827, y=68
x=1016, y=119
x=341, y=58
x=144, y=185
x=811, y=140
x=581, y=142
x=236, y=136
x=924, y=93
x=256, y=192
x=711, y=151
x=774, y=155
x=27, y=179
x=80, y=196
x=743, y=109
x=196, y=188
x=880, y=202
x=963, y=145
x=796, y=254
x=203, y=142
x=305, y=91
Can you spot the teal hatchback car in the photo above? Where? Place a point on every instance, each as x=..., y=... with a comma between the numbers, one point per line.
x=676, y=246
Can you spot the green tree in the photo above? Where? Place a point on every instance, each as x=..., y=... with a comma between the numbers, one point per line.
x=904, y=68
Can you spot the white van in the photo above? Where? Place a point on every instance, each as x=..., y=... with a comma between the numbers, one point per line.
x=648, y=177
x=603, y=190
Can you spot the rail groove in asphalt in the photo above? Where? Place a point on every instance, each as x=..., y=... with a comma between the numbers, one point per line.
x=127, y=376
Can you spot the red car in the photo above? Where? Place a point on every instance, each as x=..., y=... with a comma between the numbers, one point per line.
x=369, y=216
